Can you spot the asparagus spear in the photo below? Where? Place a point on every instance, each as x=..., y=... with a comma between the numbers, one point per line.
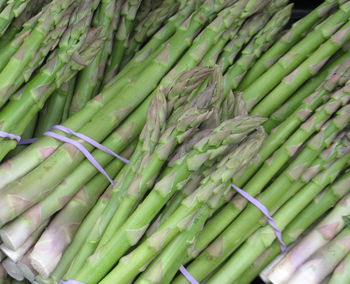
x=28, y=48
x=213, y=187
x=69, y=96
x=80, y=236
x=302, y=114
x=52, y=114
x=317, y=238
x=165, y=266
x=148, y=27
x=11, y=11
x=209, y=259
x=304, y=71
x=87, y=79
x=204, y=171
x=10, y=47
x=323, y=261
x=129, y=11
x=48, y=250
x=307, y=89
x=247, y=31
x=341, y=273
x=265, y=236
x=256, y=47
x=295, y=56
x=320, y=205
x=294, y=183
x=153, y=47
x=286, y=42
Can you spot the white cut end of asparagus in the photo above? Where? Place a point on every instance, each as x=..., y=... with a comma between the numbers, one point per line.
x=12, y=269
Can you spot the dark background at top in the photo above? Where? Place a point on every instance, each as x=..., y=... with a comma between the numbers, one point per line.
x=301, y=8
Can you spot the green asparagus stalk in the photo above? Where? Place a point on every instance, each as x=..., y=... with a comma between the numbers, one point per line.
x=265, y=236
x=320, y=205
x=52, y=114
x=213, y=187
x=146, y=143
x=247, y=31
x=212, y=55
x=69, y=97
x=33, y=9
x=315, y=240
x=87, y=79
x=304, y=71
x=129, y=11
x=302, y=114
x=28, y=48
x=80, y=236
x=295, y=56
x=31, y=99
x=59, y=233
x=148, y=27
x=307, y=89
x=28, y=133
x=209, y=259
x=153, y=47
x=323, y=261
x=165, y=266
x=294, y=35
x=256, y=47
x=341, y=273
x=196, y=177
x=11, y=11
x=105, y=54
x=174, y=202
x=9, y=48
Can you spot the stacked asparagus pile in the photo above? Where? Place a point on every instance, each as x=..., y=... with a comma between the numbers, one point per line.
x=187, y=91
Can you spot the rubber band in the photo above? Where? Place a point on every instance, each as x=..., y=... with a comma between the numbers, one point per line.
x=266, y=212
x=73, y=142
x=90, y=141
x=11, y=136
x=187, y=275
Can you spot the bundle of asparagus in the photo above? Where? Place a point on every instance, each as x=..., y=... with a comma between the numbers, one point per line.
x=181, y=89
x=322, y=253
